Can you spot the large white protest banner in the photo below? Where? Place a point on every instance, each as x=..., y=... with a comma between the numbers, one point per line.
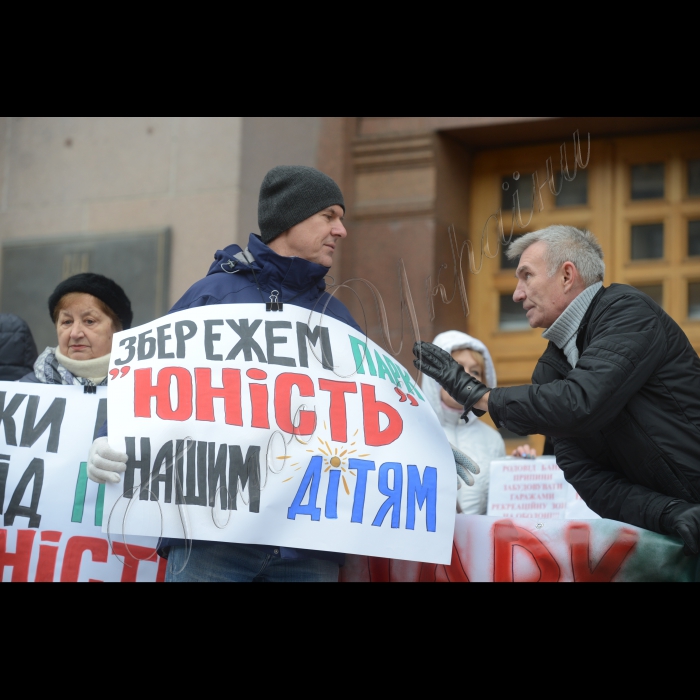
x=280, y=428
x=52, y=516
x=534, y=489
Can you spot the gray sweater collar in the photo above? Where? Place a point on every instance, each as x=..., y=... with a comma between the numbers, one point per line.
x=564, y=330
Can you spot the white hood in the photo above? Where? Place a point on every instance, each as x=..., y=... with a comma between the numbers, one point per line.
x=481, y=442
x=450, y=342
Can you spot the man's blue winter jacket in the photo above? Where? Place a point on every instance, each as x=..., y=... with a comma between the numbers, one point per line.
x=250, y=277
x=232, y=280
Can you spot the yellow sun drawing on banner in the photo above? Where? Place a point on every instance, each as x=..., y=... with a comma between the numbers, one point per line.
x=336, y=458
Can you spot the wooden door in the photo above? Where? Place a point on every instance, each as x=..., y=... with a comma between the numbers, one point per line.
x=641, y=198
x=657, y=223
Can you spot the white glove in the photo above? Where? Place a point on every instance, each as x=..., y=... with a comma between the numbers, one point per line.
x=105, y=464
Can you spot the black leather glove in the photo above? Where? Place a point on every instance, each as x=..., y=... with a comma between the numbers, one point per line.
x=450, y=375
x=682, y=520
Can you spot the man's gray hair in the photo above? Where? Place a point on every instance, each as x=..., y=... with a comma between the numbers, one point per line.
x=565, y=244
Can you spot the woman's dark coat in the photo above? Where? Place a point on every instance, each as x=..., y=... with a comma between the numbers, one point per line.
x=17, y=348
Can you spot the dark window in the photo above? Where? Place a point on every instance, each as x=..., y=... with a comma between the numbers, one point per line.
x=648, y=181
x=505, y=263
x=693, y=238
x=512, y=317
x=574, y=193
x=655, y=291
x=523, y=186
x=694, y=300
x=694, y=178
x=139, y=263
x=648, y=242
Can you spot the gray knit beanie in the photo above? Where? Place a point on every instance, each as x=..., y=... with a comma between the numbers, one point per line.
x=291, y=194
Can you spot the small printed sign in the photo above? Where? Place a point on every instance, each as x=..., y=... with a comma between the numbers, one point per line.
x=534, y=489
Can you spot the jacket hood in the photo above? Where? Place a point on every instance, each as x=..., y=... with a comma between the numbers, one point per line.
x=271, y=270
x=17, y=348
x=450, y=342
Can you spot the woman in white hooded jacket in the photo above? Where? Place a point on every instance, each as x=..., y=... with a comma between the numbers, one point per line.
x=478, y=440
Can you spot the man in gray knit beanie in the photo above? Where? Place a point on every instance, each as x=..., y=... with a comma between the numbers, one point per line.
x=301, y=224
x=292, y=195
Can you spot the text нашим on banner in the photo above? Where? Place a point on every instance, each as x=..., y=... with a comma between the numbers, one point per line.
x=286, y=429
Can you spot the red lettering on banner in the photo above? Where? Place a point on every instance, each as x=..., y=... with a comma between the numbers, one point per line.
x=162, y=570
x=49, y=536
x=371, y=408
x=19, y=560
x=72, y=559
x=428, y=573
x=144, y=391
x=506, y=537
x=133, y=556
x=339, y=411
x=46, y=567
x=456, y=572
x=379, y=570
x=611, y=562
x=259, y=400
x=230, y=393
x=283, y=404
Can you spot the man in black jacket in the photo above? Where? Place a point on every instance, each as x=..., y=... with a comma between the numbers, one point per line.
x=617, y=390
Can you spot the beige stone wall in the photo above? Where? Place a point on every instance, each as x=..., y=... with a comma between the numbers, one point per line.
x=268, y=142
x=88, y=175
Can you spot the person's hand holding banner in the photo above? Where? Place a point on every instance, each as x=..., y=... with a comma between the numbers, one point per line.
x=105, y=464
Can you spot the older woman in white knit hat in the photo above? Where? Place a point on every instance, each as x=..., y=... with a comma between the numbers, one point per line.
x=477, y=439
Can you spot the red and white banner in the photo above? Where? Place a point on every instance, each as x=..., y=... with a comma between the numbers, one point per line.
x=490, y=550
x=51, y=528
x=51, y=518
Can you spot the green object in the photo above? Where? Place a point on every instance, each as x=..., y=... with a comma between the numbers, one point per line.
x=80, y=492
x=100, y=505
x=357, y=350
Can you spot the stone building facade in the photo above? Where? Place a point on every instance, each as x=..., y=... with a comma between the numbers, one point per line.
x=72, y=189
